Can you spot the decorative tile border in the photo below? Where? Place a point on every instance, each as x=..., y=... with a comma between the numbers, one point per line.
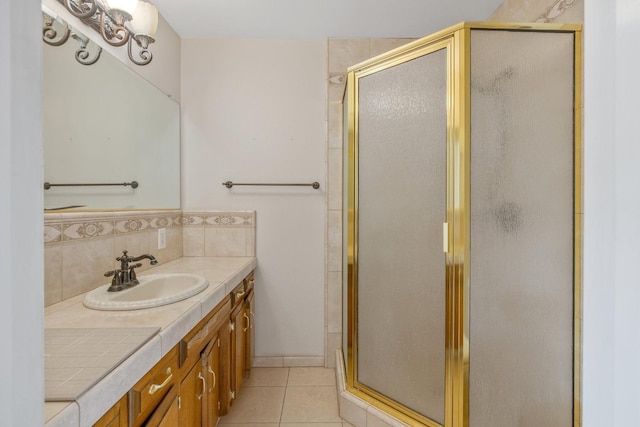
x=244, y=219
x=52, y=233
x=132, y=225
x=84, y=230
x=88, y=225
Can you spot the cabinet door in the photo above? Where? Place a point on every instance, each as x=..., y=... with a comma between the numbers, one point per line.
x=225, y=369
x=114, y=417
x=167, y=413
x=192, y=394
x=238, y=347
x=212, y=373
x=250, y=338
x=171, y=417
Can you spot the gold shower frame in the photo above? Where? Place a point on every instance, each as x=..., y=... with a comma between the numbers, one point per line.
x=456, y=40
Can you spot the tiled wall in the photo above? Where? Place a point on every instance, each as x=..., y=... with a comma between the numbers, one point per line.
x=212, y=233
x=80, y=247
x=342, y=54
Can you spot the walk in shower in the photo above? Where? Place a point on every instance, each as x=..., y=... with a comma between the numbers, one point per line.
x=462, y=224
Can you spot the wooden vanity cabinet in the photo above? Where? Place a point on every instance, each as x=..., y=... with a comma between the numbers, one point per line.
x=192, y=395
x=237, y=349
x=251, y=334
x=202, y=391
x=241, y=333
x=116, y=416
x=197, y=381
x=248, y=329
x=152, y=392
x=211, y=359
x=167, y=413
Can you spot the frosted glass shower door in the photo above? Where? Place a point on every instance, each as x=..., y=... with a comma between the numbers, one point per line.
x=478, y=127
x=522, y=229
x=401, y=193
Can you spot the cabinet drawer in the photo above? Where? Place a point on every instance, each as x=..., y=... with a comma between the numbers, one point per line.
x=195, y=341
x=150, y=390
x=249, y=282
x=238, y=294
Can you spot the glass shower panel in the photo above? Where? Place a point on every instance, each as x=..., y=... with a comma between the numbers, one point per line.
x=402, y=184
x=522, y=239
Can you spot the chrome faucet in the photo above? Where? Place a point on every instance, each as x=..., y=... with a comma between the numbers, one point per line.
x=125, y=276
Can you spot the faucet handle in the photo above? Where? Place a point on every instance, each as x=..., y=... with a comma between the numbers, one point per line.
x=116, y=283
x=133, y=279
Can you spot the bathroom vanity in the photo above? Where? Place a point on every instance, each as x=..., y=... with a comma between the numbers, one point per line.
x=188, y=373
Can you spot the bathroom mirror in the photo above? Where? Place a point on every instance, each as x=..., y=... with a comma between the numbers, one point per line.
x=104, y=123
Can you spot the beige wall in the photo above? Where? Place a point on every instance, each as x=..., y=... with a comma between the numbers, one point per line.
x=245, y=101
x=254, y=110
x=556, y=11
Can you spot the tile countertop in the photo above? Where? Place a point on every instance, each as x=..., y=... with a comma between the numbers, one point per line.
x=174, y=320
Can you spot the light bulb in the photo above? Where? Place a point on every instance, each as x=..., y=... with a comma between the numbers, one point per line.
x=145, y=19
x=127, y=6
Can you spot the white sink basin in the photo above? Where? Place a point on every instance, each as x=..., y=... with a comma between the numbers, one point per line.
x=154, y=290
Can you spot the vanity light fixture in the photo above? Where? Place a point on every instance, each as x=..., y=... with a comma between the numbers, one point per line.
x=120, y=22
x=144, y=25
x=56, y=32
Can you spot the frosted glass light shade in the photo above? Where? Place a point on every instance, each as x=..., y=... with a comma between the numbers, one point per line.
x=145, y=19
x=124, y=5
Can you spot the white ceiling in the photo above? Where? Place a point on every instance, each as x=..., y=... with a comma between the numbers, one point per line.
x=312, y=19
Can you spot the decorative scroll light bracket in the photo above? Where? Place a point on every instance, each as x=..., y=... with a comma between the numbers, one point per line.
x=56, y=32
x=119, y=23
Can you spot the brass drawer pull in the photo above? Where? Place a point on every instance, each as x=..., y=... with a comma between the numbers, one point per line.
x=204, y=385
x=213, y=374
x=248, y=322
x=240, y=294
x=156, y=387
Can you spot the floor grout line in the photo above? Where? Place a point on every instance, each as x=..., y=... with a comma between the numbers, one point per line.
x=284, y=399
x=286, y=386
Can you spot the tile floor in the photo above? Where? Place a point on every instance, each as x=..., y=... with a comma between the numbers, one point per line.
x=287, y=397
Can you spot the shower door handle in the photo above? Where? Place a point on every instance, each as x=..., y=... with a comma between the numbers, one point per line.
x=445, y=237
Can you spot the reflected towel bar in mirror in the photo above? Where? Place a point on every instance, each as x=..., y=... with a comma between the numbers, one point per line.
x=133, y=184
x=315, y=185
